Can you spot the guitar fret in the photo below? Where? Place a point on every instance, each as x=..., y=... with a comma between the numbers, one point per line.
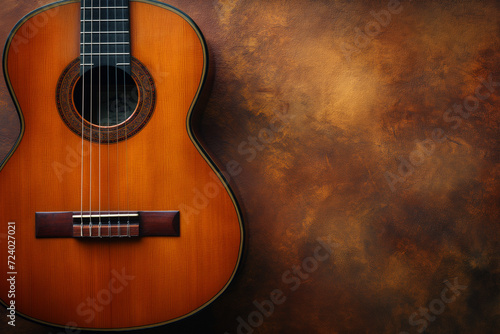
x=104, y=32
x=104, y=43
x=118, y=7
x=105, y=54
x=103, y=3
x=105, y=15
x=106, y=20
x=122, y=39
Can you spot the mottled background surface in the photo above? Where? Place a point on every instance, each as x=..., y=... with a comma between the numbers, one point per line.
x=371, y=153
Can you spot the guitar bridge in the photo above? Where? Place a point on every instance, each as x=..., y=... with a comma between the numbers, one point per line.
x=106, y=225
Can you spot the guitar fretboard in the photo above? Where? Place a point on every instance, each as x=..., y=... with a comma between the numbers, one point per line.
x=105, y=35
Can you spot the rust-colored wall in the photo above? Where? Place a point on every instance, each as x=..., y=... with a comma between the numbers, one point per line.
x=374, y=140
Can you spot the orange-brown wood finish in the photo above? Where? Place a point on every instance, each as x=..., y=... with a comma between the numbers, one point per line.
x=122, y=282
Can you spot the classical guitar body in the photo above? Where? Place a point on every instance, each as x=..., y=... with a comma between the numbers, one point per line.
x=116, y=225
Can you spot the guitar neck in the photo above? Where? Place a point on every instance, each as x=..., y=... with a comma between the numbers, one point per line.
x=105, y=34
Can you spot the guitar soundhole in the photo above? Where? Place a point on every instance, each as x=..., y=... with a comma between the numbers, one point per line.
x=115, y=105
x=110, y=96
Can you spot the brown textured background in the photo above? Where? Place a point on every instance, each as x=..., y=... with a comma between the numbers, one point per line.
x=322, y=171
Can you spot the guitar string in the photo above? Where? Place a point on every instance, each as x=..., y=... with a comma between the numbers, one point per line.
x=82, y=71
x=123, y=16
x=91, y=112
x=125, y=28
x=108, y=124
x=117, y=131
x=99, y=120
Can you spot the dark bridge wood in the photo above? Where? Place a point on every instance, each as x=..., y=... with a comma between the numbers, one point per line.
x=141, y=224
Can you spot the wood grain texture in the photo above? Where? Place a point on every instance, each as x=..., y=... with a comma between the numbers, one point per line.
x=141, y=282
x=322, y=176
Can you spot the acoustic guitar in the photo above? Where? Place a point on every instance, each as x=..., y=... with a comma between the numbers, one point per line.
x=112, y=214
